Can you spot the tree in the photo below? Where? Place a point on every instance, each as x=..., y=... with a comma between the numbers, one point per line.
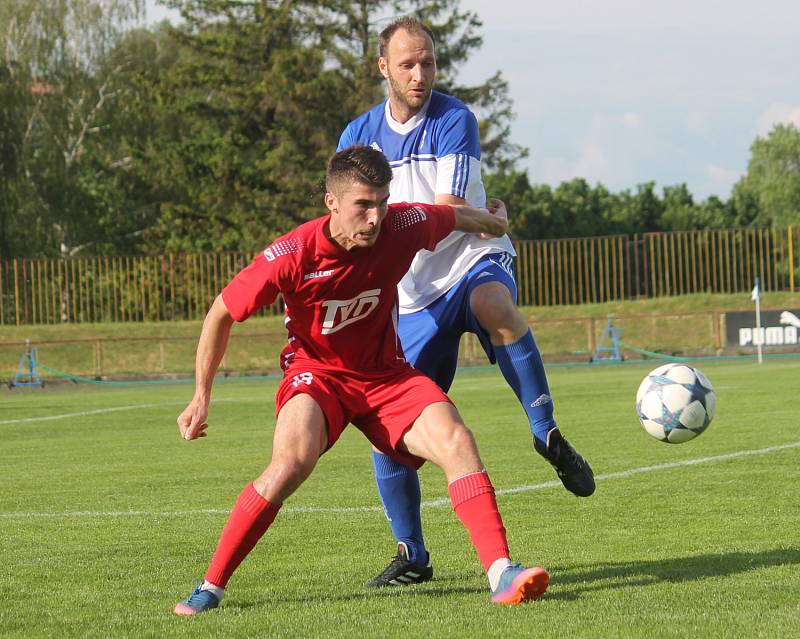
x=248, y=115
x=53, y=54
x=680, y=211
x=715, y=213
x=642, y=211
x=572, y=209
x=262, y=91
x=769, y=193
x=12, y=133
x=578, y=209
x=530, y=207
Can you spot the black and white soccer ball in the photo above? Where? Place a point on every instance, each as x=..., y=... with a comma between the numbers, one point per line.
x=675, y=403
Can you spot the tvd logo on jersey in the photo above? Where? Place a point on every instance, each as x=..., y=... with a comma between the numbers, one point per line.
x=341, y=313
x=778, y=328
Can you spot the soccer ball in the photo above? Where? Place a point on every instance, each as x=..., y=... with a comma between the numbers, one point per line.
x=675, y=403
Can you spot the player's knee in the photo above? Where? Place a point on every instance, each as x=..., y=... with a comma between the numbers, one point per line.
x=492, y=305
x=286, y=473
x=457, y=441
x=298, y=467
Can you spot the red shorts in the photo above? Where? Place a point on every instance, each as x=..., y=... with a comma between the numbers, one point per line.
x=381, y=405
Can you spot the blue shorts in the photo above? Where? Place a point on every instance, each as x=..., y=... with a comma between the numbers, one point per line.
x=430, y=337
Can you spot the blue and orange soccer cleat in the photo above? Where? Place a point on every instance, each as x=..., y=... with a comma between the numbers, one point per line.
x=518, y=584
x=199, y=601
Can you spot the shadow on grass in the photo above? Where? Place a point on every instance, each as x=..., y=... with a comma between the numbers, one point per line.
x=438, y=588
x=577, y=580
x=568, y=583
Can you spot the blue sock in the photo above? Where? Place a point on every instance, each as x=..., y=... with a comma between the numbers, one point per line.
x=398, y=486
x=521, y=365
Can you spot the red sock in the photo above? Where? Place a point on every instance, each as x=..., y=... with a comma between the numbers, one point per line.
x=247, y=523
x=473, y=500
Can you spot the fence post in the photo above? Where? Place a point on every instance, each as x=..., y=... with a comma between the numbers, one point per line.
x=791, y=258
x=16, y=291
x=3, y=270
x=98, y=359
x=716, y=319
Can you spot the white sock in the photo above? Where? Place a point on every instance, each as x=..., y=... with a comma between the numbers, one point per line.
x=496, y=569
x=218, y=592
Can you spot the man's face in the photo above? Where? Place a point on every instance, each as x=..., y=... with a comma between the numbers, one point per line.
x=357, y=211
x=409, y=68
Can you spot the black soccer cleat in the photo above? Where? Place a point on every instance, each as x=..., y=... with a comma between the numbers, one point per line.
x=572, y=469
x=402, y=572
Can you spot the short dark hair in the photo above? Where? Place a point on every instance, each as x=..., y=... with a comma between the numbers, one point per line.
x=358, y=163
x=407, y=23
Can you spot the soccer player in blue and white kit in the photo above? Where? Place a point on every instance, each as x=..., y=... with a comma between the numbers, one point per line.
x=465, y=285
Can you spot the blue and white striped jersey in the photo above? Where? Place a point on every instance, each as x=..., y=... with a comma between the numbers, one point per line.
x=435, y=152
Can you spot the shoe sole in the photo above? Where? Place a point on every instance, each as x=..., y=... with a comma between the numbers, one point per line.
x=580, y=491
x=405, y=579
x=584, y=488
x=528, y=585
x=182, y=610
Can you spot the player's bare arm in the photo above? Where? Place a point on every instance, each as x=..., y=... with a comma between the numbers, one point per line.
x=454, y=200
x=447, y=198
x=210, y=349
x=493, y=222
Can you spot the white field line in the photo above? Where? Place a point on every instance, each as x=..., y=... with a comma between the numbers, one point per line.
x=434, y=503
x=101, y=411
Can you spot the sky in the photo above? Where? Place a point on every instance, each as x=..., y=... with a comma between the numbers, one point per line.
x=623, y=92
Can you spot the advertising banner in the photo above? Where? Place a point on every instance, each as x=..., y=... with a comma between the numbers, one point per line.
x=778, y=329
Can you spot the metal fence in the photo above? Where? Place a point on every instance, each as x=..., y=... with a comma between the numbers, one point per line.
x=602, y=269
x=549, y=272
x=115, y=289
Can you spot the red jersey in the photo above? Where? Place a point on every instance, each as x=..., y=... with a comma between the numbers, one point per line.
x=341, y=306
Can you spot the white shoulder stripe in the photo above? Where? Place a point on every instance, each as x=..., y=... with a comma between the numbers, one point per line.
x=414, y=157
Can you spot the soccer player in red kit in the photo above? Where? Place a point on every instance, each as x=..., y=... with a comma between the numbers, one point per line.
x=344, y=364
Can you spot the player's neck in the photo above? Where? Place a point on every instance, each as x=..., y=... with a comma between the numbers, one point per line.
x=401, y=113
x=336, y=236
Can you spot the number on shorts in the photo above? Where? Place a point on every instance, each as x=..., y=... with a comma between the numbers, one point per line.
x=302, y=378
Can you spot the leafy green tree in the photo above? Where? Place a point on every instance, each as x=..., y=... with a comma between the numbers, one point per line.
x=125, y=188
x=715, y=213
x=53, y=54
x=769, y=193
x=578, y=209
x=13, y=98
x=530, y=207
x=575, y=209
x=642, y=211
x=572, y=209
x=262, y=91
x=745, y=204
x=248, y=115
x=680, y=211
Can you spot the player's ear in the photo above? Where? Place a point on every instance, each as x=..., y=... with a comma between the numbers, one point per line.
x=331, y=201
x=383, y=65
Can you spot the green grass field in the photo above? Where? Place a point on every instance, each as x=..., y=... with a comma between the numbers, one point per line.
x=107, y=516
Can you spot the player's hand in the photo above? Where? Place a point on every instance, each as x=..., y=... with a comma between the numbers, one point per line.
x=192, y=421
x=498, y=208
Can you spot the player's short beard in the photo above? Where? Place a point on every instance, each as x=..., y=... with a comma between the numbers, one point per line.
x=401, y=97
